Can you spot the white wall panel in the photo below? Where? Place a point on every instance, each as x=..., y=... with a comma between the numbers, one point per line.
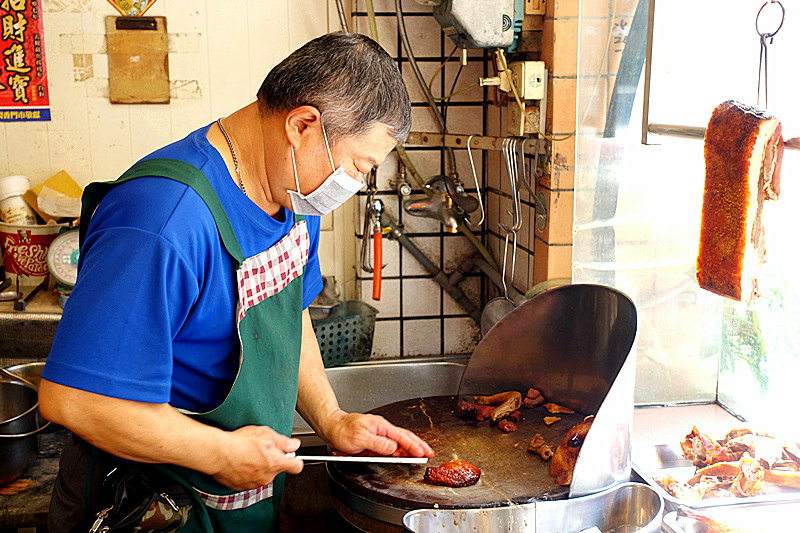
x=228, y=51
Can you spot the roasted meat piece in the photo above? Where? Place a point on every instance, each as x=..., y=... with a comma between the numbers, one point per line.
x=550, y=420
x=506, y=425
x=557, y=409
x=495, y=399
x=743, y=154
x=511, y=404
x=455, y=473
x=473, y=410
x=532, y=399
x=702, y=450
x=563, y=462
x=750, y=478
x=538, y=446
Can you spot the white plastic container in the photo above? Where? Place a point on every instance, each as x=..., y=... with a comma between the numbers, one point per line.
x=13, y=208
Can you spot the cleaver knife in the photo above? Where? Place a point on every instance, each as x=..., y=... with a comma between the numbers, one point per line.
x=351, y=459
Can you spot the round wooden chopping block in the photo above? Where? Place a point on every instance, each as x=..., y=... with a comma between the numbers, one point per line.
x=509, y=473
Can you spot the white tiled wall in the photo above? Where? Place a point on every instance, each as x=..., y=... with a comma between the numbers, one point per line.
x=219, y=54
x=416, y=316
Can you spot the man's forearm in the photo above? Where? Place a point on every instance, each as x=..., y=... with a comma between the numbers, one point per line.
x=143, y=432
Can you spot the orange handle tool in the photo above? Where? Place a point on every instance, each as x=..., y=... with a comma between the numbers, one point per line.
x=377, y=263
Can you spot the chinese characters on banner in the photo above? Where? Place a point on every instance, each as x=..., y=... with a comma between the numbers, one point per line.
x=24, y=95
x=132, y=8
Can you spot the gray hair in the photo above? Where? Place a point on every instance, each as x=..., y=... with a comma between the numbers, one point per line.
x=349, y=78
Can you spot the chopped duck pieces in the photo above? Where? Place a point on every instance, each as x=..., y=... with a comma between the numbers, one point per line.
x=557, y=409
x=550, y=420
x=702, y=450
x=495, y=399
x=473, y=410
x=506, y=425
x=498, y=406
x=511, y=404
x=455, y=473
x=742, y=464
x=750, y=478
x=538, y=446
x=532, y=399
x=566, y=455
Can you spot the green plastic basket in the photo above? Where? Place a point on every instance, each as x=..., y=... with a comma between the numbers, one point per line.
x=346, y=334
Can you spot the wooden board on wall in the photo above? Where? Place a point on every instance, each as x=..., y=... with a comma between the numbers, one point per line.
x=138, y=60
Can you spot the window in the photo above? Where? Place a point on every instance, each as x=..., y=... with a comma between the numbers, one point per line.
x=637, y=212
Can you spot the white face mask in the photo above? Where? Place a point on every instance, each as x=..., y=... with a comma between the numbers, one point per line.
x=334, y=191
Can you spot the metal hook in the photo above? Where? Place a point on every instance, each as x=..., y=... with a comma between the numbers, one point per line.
x=783, y=17
x=475, y=175
x=762, y=56
x=509, y=152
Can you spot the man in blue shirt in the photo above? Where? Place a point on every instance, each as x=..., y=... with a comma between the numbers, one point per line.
x=186, y=341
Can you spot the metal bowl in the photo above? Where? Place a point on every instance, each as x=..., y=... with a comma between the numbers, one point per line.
x=31, y=372
x=629, y=508
x=19, y=428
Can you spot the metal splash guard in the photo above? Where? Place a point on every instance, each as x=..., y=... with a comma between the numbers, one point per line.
x=576, y=345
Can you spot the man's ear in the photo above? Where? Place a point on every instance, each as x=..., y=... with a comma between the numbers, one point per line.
x=298, y=125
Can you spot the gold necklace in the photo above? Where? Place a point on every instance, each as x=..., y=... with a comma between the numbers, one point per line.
x=233, y=154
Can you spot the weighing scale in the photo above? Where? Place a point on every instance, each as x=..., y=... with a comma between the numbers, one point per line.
x=62, y=262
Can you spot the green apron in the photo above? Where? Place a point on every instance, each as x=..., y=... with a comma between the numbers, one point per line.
x=269, y=318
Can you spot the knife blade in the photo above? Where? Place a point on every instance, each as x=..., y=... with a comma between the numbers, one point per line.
x=352, y=459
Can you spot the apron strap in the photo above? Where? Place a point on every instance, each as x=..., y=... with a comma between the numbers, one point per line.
x=174, y=169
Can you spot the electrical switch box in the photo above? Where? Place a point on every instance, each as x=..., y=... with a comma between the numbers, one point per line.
x=529, y=79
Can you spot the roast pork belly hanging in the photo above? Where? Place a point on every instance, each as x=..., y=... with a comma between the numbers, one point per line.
x=743, y=153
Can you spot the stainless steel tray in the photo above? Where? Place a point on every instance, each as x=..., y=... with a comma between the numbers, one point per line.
x=755, y=518
x=625, y=508
x=663, y=459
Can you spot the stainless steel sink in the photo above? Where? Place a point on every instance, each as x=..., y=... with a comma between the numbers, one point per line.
x=361, y=387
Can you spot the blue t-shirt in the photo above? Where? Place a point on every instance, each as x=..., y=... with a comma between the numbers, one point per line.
x=152, y=317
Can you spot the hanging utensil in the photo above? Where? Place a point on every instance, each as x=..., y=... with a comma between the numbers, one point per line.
x=499, y=307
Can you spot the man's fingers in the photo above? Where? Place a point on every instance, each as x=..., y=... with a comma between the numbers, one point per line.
x=407, y=440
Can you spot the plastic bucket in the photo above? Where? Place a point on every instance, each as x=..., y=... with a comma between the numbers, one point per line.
x=25, y=250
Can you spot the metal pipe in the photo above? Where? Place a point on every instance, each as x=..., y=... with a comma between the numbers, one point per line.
x=696, y=132
x=342, y=17
x=437, y=274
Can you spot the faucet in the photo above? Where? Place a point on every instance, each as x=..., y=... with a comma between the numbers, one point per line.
x=448, y=203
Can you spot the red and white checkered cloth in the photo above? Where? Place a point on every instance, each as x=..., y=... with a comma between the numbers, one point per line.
x=267, y=273
x=238, y=500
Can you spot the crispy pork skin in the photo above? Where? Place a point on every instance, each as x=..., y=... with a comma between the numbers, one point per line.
x=455, y=473
x=566, y=455
x=743, y=154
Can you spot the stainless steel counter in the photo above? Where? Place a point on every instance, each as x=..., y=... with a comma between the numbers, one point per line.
x=27, y=335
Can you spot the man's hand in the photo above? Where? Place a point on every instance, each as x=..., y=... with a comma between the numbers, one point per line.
x=353, y=433
x=255, y=455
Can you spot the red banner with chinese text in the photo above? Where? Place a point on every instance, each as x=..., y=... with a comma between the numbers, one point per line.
x=24, y=94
